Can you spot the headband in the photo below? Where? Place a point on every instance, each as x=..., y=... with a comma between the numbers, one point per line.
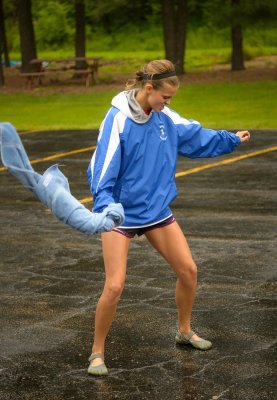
x=152, y=77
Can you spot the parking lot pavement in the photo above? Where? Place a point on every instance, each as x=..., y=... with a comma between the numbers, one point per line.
x=52, y=276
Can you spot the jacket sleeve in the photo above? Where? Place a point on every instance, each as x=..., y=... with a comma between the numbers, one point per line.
x=194, y=141
x=104, y=166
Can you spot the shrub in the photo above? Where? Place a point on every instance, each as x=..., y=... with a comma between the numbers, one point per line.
x=52, y=26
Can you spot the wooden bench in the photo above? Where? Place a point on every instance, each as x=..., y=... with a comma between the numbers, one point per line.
x=53, y=68
x=32, y=76
x=88, y=73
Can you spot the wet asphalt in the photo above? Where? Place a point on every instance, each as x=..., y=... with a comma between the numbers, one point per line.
x=52, y=276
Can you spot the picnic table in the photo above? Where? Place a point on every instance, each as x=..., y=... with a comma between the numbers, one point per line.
x=52, y=67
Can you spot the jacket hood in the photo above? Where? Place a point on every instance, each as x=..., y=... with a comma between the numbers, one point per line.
x=126, y=102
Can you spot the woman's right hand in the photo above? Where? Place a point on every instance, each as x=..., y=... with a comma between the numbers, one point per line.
x=114, y=216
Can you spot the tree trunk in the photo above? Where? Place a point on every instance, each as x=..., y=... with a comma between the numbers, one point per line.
x=2, y=80
x=80, y=33
x=3, y=37
x=237, y=38
x=175, y=14
x=27, y=35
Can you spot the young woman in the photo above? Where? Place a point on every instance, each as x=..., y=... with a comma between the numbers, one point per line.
x=135, y=164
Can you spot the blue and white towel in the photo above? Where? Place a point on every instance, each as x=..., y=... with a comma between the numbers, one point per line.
x=52, y=188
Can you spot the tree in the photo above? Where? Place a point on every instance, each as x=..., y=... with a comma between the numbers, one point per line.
x=174, y=16
x=2, y=80
x=217, y=12
x=27, y=35
x=240, y=14
x=80, y=33
x=236, y=36
x=3, y=37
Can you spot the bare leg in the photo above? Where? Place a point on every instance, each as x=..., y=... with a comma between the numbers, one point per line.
x=115, y=250
x=172, y=245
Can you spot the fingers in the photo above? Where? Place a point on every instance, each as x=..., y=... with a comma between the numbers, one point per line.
x=243, y=135
x=108, y=224
x=114, y=216
x=116, y=212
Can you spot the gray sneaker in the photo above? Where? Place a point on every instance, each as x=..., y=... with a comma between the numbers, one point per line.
x=202, y=344
x=98, y=370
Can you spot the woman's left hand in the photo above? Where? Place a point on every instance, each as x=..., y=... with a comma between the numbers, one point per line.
x=243, y=135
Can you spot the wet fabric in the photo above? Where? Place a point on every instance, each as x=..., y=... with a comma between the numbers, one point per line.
x=52, y=188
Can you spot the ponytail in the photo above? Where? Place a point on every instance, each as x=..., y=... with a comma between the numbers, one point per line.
x=157, y=73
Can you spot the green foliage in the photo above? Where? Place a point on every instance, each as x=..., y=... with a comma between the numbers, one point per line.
x=261, y=35
x=117, y=15
x=246, y=12
x=52, y=26
x=131, y=39
x=131, y=27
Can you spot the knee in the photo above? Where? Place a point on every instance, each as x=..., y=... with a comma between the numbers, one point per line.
x=113, y=291
x=193, y=270
x=188, y=273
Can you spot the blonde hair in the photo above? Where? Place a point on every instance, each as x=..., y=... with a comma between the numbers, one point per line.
x=153, y=67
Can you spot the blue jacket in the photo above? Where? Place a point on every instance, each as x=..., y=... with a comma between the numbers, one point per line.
x=135, y=163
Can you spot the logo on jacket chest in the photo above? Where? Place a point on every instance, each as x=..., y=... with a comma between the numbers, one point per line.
x=163, y=134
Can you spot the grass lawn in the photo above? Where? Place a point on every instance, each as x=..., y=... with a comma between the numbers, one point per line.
x=248, y=105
